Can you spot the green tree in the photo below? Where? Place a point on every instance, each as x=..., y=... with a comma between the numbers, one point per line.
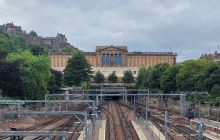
x=18, y=42
x=55, y=81
x=215, y=93
x=113, y=77
x=78, y=70
x=5, y=45
x=10, y=44
x=128, y=77
x=155, y=75
x=99, y=77
x=37, y=49
x=168, y=79
x=33, y=33
x=35, y=74
x=209, y=77
x=84, y=85
x=3, y=53
x=140, y=77
x=10, y=81
x=189, y=74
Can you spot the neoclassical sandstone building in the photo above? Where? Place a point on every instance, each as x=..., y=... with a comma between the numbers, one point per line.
x=117, y=58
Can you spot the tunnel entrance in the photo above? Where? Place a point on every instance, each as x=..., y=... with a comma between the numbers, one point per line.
x=116, y=92
x=112, y=97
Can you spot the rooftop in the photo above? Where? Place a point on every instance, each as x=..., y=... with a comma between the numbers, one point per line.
x=103, y=47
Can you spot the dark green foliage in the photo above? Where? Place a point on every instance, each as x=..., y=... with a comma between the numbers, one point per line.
x=209, y=77
x=5, y=45
x=99, y=77
x=128, y=77
x=112, y=77
x=215, y=92
x=168, y=79
x=5, y=42
x=33, y=33
x=37, y=49
x=34, y=74
x=155, y=75
x=3, y=54
x=55, y=82
x=18, y=42
x=78, y=70
x=67, y=50
x=22, y=74
x=10, y=81
x=190, y=73
x=141, y=77
x=84, y=85
x=216, y=101
x=10, y=44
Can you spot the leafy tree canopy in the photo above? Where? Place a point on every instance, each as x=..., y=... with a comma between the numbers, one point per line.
x=208, y=77
x=215, y=92
x=10, y=44
x=78, y=70
x=99, y=77
x=190, y=72
x=55, y=81
x=155, y=75
x=140, y=77
x=10, y=81
x=128, y=77
x=113, y=77
x=33, y=33
x=168, y=79
x=37, y=49
x=35, y=74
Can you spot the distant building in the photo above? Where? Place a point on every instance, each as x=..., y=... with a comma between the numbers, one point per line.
x=117, y=58
x=58, y=44
x=212, y=56
x=10, y=28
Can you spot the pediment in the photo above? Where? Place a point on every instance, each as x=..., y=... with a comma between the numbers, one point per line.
x=112, y=49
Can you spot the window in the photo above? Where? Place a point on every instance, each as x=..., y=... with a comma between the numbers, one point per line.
x=135, y=72
x=103, y=59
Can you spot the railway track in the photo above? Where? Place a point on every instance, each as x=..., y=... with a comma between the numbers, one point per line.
x=129, y=131
x=158, y=121
x=110, y=123
x=160, y=127
x=186, y=132
x=67, y=125
x=119, y=126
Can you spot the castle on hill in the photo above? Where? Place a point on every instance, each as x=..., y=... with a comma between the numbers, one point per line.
x=55, y=45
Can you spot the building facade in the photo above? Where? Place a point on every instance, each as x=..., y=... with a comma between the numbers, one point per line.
x=212, y=56
x=117, y=58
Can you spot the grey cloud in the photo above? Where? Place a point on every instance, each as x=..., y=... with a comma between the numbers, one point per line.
x=187, y=27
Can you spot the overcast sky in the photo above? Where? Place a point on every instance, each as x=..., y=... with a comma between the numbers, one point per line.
x=187, y=27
